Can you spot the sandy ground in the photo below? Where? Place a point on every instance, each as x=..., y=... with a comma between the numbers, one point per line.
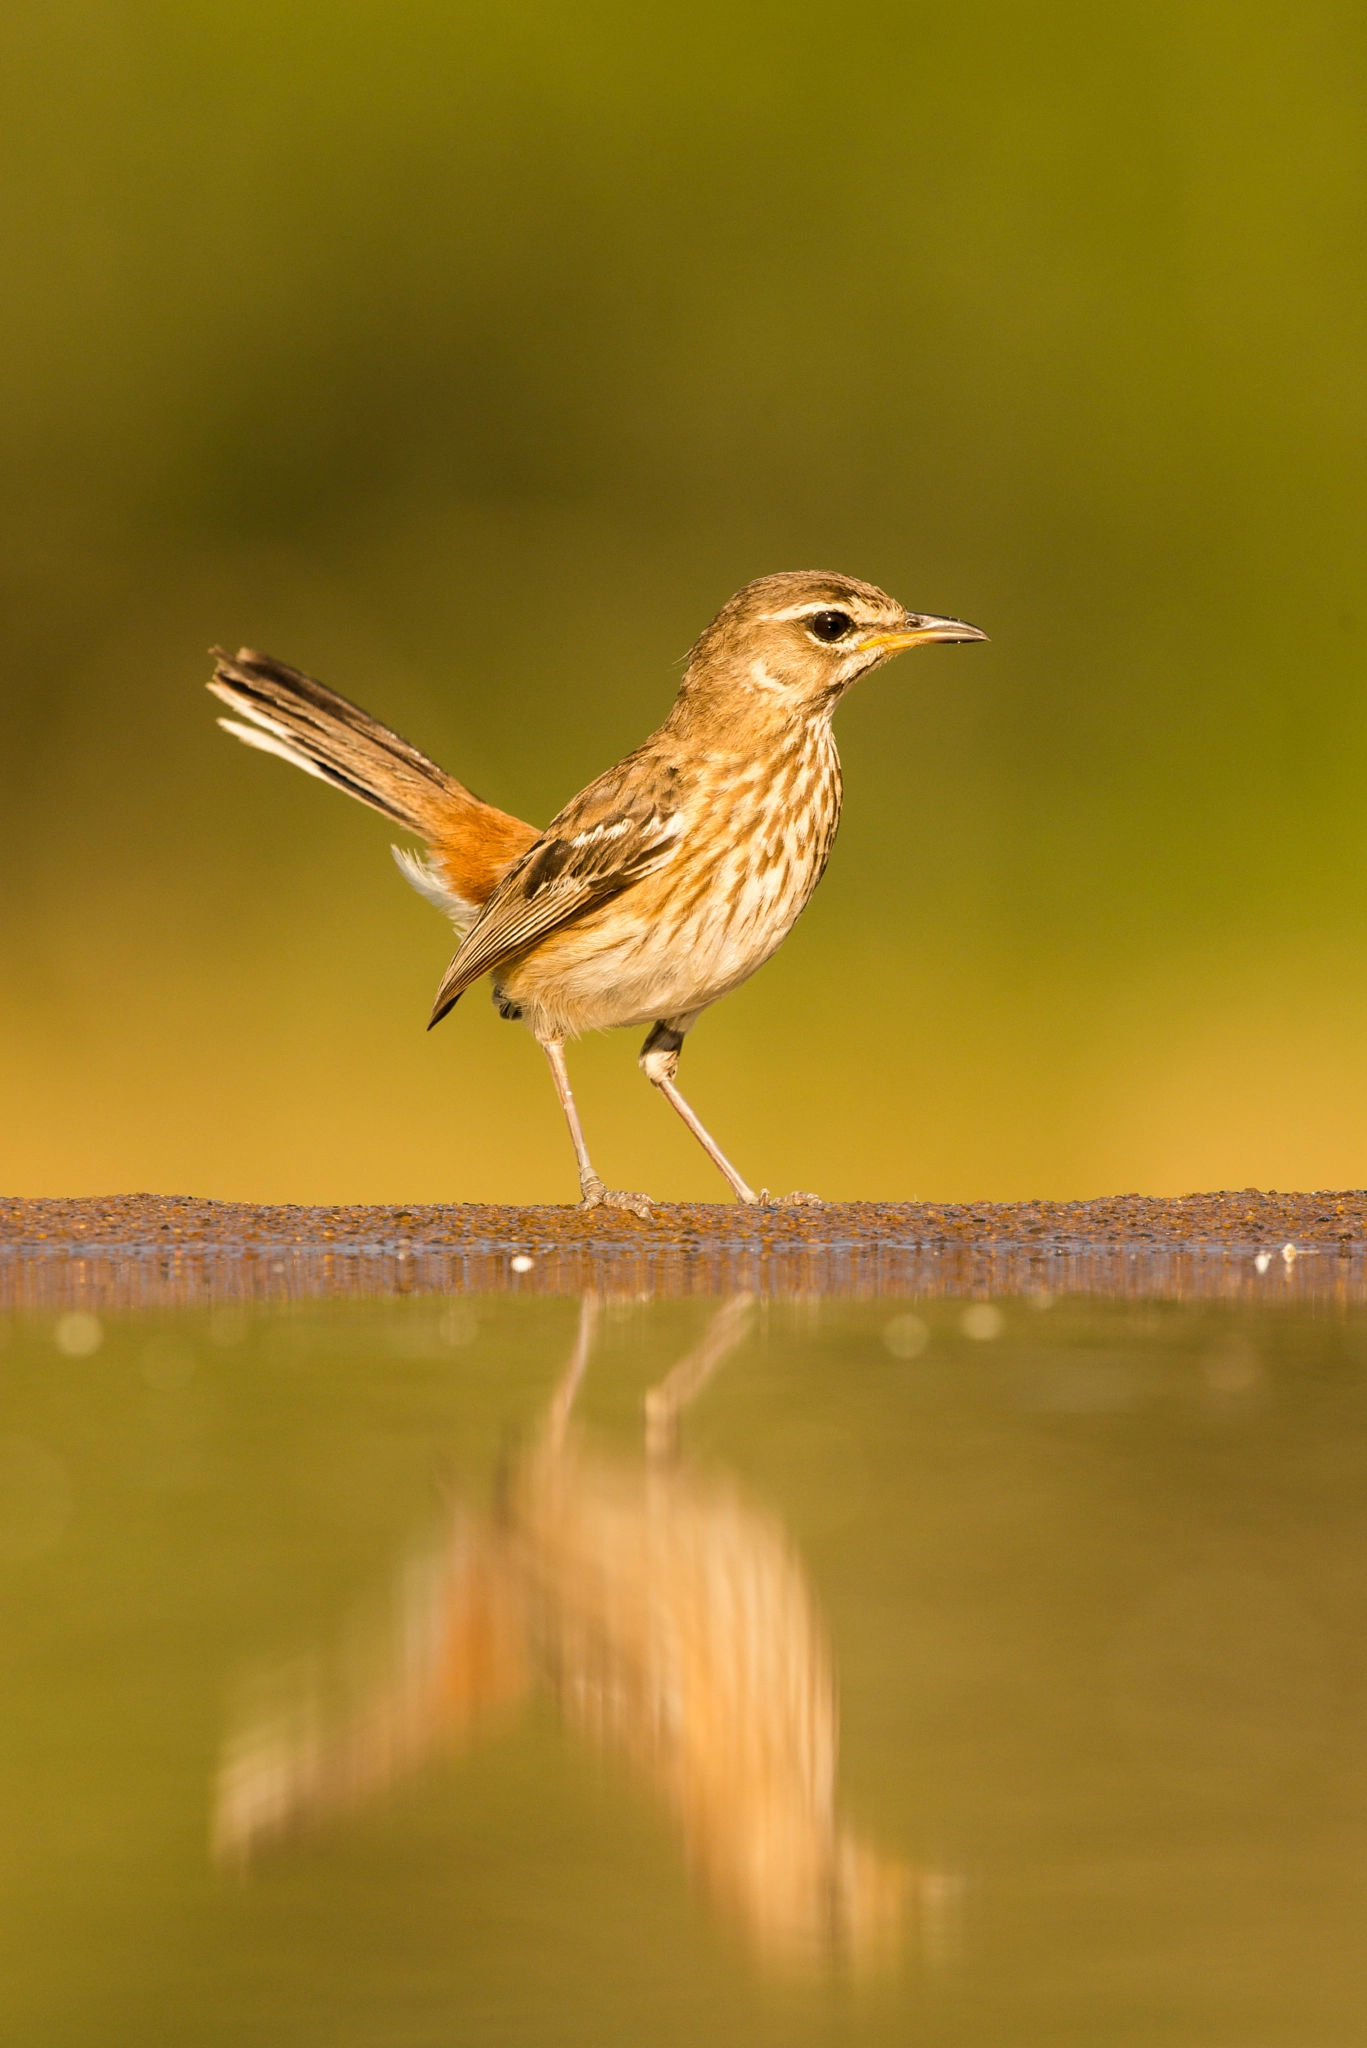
x=158, y=1251
x=1249, y=1218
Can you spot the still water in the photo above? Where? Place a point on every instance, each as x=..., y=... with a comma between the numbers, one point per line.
x=520, y=1670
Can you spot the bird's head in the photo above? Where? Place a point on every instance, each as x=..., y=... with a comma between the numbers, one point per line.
x=799, y=640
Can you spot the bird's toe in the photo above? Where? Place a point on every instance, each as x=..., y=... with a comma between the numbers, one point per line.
x=596, y=1196
x=797, y=1200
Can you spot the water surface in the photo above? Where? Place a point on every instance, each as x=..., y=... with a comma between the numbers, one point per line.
x=531, y=1670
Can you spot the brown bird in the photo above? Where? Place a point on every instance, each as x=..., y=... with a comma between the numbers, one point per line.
x=671, y=878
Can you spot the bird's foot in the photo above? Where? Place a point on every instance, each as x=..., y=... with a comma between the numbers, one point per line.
x=797, y=1200
x=596, y=1196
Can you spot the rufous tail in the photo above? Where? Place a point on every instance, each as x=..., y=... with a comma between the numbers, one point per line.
x=283, y=711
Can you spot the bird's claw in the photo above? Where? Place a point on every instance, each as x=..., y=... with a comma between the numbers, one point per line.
x=797, y=1200
x=596, y=1196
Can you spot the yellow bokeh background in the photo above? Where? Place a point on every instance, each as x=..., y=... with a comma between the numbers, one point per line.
x=471, y=356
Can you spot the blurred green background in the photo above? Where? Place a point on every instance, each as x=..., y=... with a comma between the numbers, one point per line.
x=470, y=356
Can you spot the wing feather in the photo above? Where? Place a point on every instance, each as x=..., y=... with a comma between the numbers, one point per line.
x=565, y=873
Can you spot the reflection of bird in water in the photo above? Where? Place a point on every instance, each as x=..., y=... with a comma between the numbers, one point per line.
x=671, y=1621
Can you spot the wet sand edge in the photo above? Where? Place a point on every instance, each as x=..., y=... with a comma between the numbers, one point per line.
x=150, y=1251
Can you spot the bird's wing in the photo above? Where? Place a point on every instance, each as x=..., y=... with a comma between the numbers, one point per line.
x=579, y=861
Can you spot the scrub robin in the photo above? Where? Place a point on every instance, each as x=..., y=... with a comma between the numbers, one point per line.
x=673, y=876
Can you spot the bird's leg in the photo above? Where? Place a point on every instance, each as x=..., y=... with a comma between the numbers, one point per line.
x=659, y=1063
x=557, y=1421
x=666, y=1402
x=596, y=1196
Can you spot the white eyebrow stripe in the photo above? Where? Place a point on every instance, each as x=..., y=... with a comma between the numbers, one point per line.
x=863, y=615
x=822, y=604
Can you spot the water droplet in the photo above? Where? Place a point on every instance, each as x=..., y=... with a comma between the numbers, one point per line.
x=78, y=1333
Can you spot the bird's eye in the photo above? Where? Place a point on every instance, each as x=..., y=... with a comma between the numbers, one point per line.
x=830, y=626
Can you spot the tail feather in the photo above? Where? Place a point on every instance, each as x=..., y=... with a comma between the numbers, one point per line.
x=282, y=711
x=332, y=738
x=253, y=736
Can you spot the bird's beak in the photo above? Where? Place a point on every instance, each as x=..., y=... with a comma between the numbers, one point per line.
x=920, y=629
